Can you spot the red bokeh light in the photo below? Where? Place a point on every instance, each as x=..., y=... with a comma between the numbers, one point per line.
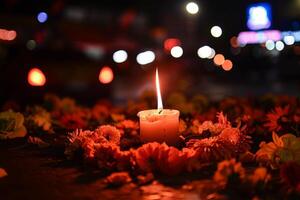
x=106, y=75
x=7, y=35
x=36, y=77
x=227, y=65
x=170, y=43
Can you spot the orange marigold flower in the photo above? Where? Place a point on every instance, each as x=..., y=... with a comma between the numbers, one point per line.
x=118, y=179
x=81, y=140
x=111, y=133
x=226, y=169
x=155, y=157
x=100, y=112
x=72, y=121
x=110, y=157
x=275, y=118
x=260, y=175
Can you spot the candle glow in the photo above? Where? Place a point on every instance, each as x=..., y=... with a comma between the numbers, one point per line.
x=159, y=125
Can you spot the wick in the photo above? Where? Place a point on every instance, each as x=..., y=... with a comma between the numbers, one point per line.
x=159, y=111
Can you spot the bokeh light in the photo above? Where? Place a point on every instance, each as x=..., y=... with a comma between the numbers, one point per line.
x=8, y=35
x=289, y=39
x=227, y=65
x=219, y=59
x=177, y=52
x=42, y=17
x=192, y=8
x=234, y=42
x=279, y=45
x=31, y=44
x=212, y=54
x=106, y=75
x=270, y=45
x=170, y=43
x=145, y=57
x=120, y=56
x=204, y=52
x=36, y=77
x=216, y=31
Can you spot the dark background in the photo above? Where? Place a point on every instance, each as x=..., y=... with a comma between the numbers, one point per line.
x=74, y=27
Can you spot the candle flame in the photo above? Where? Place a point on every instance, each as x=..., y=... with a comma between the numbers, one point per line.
x=159, y=100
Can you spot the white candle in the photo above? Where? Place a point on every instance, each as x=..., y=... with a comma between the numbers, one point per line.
x=159, y=125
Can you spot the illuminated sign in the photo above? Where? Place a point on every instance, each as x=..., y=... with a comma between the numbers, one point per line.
x=259, y=16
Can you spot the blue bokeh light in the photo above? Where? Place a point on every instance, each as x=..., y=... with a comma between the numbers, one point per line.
x=259, y=16
x=42, y=17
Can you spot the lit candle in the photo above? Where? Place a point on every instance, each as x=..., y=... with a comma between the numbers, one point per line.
x=159, y=125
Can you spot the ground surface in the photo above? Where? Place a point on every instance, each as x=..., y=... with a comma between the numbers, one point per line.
x=44, y=174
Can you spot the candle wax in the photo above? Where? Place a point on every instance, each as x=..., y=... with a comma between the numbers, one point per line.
x=159, y=126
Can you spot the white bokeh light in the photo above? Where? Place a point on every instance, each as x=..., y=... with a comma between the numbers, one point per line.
x=216, y=31
x=145, y=57
x=279, y=45
x=192, y=8
x=270, y=45
x=205, y=52
x=120, y=56
x=289, y=39
x=212, y=54
x=176, y=52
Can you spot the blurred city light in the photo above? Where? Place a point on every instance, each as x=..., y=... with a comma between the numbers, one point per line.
x=205, y=52
x=212, y=54
x=259, y=16
x=252, y=37
x=234, y=42
x=289, y=39
x=192, y=8
x=270, y=45
x=176, y=51
x=106, y=75
x=216, y=31
x=31, y=44
x=227, y=65
x=279, y=45
x=42, y=17
x=36, y=77
x=145, y=57
x=8, y=35
x=120, y=56
x=219, y=59
x=170, y=43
